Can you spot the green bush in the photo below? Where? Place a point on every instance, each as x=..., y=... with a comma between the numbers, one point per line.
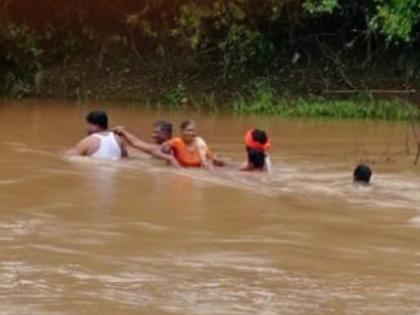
x=175, y=96
x=23, y=55
x=259, y=98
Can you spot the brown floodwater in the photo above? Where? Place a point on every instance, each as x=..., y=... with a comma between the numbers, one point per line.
x=136, y=237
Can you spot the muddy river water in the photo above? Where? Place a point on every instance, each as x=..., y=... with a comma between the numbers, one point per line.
x=137, y=237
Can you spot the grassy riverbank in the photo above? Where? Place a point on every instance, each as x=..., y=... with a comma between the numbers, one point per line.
x=319, y=107
x=262, y=99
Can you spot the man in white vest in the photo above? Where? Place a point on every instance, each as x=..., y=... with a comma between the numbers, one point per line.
x=100, y=143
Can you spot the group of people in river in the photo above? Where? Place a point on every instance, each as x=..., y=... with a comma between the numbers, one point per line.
x=186, y=150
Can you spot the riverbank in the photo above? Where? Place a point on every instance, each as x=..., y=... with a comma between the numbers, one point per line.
x=283, y=96
x=116, y=73
x=241, y=56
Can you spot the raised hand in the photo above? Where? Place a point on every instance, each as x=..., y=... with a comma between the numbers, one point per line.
x=119, y=130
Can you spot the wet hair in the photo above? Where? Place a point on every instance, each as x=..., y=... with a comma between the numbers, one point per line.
x=98, y=118
x=362, y=173
x=259, y=136
x=164, y=126
x=186, y=123
x=256, y=158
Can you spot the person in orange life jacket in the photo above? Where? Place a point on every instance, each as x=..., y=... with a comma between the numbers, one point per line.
x=100, y=143
x=257, y=145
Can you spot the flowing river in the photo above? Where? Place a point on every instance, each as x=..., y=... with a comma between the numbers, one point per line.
x=136, y=237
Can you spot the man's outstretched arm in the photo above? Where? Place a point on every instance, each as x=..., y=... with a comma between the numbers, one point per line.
x=152, y=149
x=133, y=141
x=157, y=153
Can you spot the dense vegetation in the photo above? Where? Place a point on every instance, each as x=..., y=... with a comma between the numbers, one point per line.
x=212, y=51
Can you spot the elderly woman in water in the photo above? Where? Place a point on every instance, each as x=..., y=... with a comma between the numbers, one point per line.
x=189, y=149
x=257, y=145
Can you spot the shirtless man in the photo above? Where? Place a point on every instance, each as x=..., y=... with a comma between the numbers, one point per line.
x=100, y=143
x=162, y=132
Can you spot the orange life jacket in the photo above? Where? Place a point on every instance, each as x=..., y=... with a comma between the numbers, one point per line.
x=252, y=144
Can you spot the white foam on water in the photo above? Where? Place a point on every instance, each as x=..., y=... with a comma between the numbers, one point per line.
x=313, y=181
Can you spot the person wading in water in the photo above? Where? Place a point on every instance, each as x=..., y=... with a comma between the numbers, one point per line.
x=257, y=145
x=362, y=174
x=162, y=132
x=189, y=149
x=100, y=143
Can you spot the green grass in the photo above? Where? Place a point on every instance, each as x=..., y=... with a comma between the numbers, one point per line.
x=261, y=99
x=369, y=109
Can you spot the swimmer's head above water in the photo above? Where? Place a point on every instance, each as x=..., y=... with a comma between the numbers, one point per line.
x=257, y=139
x=97, y=121
x=257, y=144
x=362, y=174
x=162, y=131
